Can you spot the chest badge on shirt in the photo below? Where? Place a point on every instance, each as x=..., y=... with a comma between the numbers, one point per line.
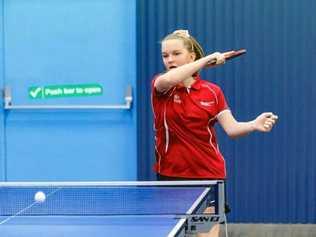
x=207, y=103
x=177, y=99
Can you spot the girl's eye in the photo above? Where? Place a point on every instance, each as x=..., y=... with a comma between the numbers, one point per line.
x=164, y=56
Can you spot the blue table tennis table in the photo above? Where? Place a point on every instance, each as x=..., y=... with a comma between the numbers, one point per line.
x=95, y=209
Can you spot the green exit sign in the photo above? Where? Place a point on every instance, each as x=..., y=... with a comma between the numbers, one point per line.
x=57, y=91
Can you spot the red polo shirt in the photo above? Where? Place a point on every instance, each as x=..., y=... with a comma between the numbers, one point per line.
x=186, y=144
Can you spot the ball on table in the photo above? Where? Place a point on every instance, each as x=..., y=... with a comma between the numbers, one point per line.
x=40, y=197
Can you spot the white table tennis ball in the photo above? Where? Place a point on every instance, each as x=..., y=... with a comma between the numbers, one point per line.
x=40, y=196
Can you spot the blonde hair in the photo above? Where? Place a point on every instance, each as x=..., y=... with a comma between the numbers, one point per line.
x=190, y=43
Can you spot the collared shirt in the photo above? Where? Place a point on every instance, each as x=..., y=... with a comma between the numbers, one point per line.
x=185, y=140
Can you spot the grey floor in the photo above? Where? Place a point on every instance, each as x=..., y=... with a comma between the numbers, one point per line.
x=270, y=230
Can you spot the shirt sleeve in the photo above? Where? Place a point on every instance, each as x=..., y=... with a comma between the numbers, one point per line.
x=153, y=89
x=221, y=101
x=154, y=92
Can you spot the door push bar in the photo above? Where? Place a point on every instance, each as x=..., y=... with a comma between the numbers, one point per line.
x=8, y=105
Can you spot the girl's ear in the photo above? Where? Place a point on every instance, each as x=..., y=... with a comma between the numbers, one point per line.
x=193, y=56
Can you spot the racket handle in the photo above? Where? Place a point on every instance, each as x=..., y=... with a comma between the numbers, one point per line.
x=229, y=55
x=213, y=61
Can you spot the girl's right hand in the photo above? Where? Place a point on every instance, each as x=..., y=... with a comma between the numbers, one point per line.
x=215, y=59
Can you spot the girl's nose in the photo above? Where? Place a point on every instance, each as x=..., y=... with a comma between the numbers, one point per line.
x=170, y=58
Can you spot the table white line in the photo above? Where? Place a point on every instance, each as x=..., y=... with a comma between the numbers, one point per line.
x=110, y=183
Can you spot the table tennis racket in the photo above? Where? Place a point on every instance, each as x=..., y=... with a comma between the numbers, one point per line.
x=230, y=55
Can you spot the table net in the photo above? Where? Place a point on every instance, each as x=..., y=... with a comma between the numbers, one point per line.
x=96, y=200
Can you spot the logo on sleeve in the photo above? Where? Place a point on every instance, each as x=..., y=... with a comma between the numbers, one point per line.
x=176, y=99
x=207, y=103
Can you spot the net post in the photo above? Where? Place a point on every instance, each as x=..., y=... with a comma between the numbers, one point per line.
x=221, y=200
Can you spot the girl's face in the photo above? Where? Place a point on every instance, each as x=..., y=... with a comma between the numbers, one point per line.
x=175, y=54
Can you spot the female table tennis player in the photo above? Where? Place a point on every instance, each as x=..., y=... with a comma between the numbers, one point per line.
x=185, y=110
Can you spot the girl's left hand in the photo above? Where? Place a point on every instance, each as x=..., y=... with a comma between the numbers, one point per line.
x=265, y=122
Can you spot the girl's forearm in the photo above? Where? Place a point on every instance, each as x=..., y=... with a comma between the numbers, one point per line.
x=179, y=74
x=241, y=129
